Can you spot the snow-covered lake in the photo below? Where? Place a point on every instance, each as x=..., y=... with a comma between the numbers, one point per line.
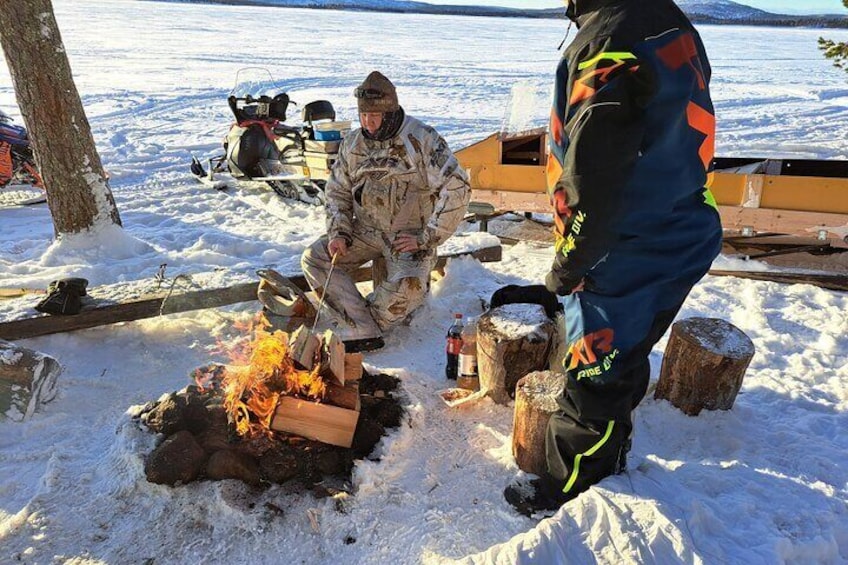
x=766, y=482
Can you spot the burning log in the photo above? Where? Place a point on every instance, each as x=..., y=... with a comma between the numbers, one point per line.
x=304, y=347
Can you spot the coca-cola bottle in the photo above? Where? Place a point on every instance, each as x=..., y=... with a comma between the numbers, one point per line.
x=454, y=344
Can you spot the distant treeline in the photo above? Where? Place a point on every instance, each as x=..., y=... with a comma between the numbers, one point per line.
x=554, y=13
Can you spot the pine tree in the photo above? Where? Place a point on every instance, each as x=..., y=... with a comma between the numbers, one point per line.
x=837, y=51
x=77, y=187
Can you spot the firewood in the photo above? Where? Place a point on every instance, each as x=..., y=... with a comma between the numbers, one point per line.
x=317, y=421
x=304, y=347
x=703, y=365
x=352, y=366
x=346, y=396
x=27, y=380
x=333, y=356
x=512, y=341
x=535, y=401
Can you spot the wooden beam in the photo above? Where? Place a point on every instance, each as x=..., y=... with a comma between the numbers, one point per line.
x=153, y=305
x=830, y=282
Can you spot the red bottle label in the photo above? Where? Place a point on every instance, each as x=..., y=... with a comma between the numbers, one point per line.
x=454, y=345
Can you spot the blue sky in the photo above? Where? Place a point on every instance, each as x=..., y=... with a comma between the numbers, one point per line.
x=779, y=6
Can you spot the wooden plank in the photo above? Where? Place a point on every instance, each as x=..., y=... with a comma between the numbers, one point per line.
x=346, y=396
x=321, y=422
x=332, y=356
x=804, y=224
x=352, y=366
x=152, y=305
x=830, y=282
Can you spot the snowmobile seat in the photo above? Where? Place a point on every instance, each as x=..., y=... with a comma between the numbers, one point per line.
x=318, y=110
x=279, y=105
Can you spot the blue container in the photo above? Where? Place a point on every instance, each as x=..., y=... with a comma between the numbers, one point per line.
x=328, y=135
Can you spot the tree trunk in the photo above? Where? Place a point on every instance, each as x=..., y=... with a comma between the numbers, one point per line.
x=703, y=365
x=535, y=401
x=77, y=188
x=512, y=341
x=27, y=379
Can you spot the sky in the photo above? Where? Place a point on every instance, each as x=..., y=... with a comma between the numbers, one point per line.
x=777, y=6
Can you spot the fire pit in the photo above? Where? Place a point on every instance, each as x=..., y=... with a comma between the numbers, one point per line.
x=291, y=406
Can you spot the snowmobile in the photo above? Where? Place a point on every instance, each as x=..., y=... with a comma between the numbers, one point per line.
x=294, y=160
x=17, y=165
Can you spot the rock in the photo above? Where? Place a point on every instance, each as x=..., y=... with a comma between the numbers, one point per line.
x=368, y=433
x=176, y=413
x=228, y=464
x=278, y=466
x=369, y=384
x=179, y=459
x=333, y=461
x=217, y=434
x=388, y=414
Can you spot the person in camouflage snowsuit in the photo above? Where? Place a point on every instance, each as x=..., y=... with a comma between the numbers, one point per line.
x=632, y=138
x=395, y=193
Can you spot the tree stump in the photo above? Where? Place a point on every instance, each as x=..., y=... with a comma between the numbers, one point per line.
x=535, y=401
x=27, y=379
x=512, y=341
x=703, y=365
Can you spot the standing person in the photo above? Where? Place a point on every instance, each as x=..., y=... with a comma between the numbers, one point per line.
x=395, y=193
x=631, y=147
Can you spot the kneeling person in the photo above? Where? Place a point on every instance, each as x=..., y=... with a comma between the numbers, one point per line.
x=395, y=193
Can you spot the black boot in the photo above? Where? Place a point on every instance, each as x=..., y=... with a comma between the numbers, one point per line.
x=537, y=495
x=367, y=344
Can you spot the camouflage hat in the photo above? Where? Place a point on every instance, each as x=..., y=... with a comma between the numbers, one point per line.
x=376, y=94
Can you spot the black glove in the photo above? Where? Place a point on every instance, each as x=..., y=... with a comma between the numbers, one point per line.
x=63, y=297
x=531, y=294
x=559, y=285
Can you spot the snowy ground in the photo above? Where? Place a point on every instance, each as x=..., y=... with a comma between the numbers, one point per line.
x=764, y=483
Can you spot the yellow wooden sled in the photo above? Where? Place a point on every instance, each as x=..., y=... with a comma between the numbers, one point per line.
x=785, y=196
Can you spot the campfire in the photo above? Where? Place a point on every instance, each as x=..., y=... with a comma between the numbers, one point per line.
x=288, y=405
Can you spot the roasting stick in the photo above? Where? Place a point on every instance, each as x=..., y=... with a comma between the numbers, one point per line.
x=326, y=285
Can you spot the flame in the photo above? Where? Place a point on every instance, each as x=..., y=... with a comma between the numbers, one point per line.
x=265, y=371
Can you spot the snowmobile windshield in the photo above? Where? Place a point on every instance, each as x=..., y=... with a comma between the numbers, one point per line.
x=256, y=81
x=256, y=95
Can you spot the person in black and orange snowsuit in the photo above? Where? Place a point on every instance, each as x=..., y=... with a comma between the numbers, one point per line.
x=632, y=138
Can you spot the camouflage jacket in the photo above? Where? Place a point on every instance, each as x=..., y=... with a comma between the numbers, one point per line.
x=410, y=183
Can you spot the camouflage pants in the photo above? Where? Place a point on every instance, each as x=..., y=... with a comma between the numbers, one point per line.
x=398, y=292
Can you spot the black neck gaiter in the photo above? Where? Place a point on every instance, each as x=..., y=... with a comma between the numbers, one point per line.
x=389, y=128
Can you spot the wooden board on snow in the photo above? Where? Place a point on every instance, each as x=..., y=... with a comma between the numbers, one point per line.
x=100, y=314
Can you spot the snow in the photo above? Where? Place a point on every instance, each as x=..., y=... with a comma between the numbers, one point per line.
x=765, y=482
x=515, y=320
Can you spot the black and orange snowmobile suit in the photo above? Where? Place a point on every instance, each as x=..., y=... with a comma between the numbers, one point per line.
x=632, y=139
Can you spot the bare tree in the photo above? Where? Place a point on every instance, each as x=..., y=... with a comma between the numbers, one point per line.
x=77, y=186
x=835, y=50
